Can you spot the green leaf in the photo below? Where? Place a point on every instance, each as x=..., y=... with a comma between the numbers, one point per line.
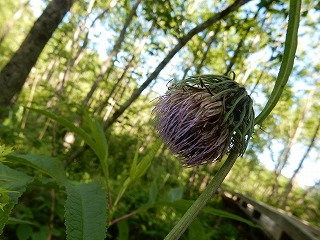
x=101, y=144
x=64, y=122
x=146, y=161
x=184, y=205
x=46, y=165
x=122, y=190
x=98, y=136
x=123, y=229
x=196, y=230
x=134, y=163
x=41, y=234
x=86, y=211
x=12, y=220
x=24, y=232
x=4, y=151
x=153, y=192
x=175, y=194
x=13, y=184
x=98, y=143
x=226, y=214
x=138, y=170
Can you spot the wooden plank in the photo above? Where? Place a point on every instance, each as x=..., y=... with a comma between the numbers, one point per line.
x=283, y=223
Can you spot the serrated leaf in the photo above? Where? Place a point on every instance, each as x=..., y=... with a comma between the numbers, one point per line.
x=46, y=165
x=196, y=230
x=14, y=183
x=86, y=211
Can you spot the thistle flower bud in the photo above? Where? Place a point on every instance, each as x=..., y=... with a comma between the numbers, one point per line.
x=202, y=118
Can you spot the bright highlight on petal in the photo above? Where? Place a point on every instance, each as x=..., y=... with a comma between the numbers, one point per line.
x=203, y=117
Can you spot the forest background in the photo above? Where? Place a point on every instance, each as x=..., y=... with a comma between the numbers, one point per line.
x=101, y=69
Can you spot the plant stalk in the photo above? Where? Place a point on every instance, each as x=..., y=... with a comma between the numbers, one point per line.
x=281, y=81
x=202, y=200
x=287, y=62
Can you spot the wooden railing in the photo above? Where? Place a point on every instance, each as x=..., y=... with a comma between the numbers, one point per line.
x=275, y=223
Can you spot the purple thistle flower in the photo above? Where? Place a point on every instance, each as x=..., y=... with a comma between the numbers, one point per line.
x=203, y=117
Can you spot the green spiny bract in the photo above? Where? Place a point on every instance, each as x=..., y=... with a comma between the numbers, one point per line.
x=202, y=118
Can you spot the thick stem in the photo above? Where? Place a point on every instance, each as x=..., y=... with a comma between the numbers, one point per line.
x=202, y=200
x=14, y=74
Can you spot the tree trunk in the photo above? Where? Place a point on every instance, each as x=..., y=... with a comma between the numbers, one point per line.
x=72, y=60
x=296, y=171
x=239, y=49
x=285, y=154
x=212, y=38
x=129, y=65
x=16, y=71
x=307, y=192
x=183, y=41
x=32, y=92
x=106, y=66
x=11, y=23
x=236, y=53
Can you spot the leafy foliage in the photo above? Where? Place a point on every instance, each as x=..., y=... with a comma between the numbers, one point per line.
x=66, y=171
x=13, y=184
x=86, y=212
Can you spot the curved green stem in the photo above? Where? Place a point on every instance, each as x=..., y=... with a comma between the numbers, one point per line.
x=202, y=200
x=287, y=62
x=282, y=79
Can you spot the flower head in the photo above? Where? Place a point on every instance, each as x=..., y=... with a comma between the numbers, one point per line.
x=203, y=117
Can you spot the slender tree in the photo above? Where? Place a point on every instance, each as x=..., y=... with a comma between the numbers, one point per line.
x=14, y=19
x=126, y=69
x=212, y=38
x=182, y=42
x=285, y=153
x=107, y=64
x=15, y=72
x=289, y=186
